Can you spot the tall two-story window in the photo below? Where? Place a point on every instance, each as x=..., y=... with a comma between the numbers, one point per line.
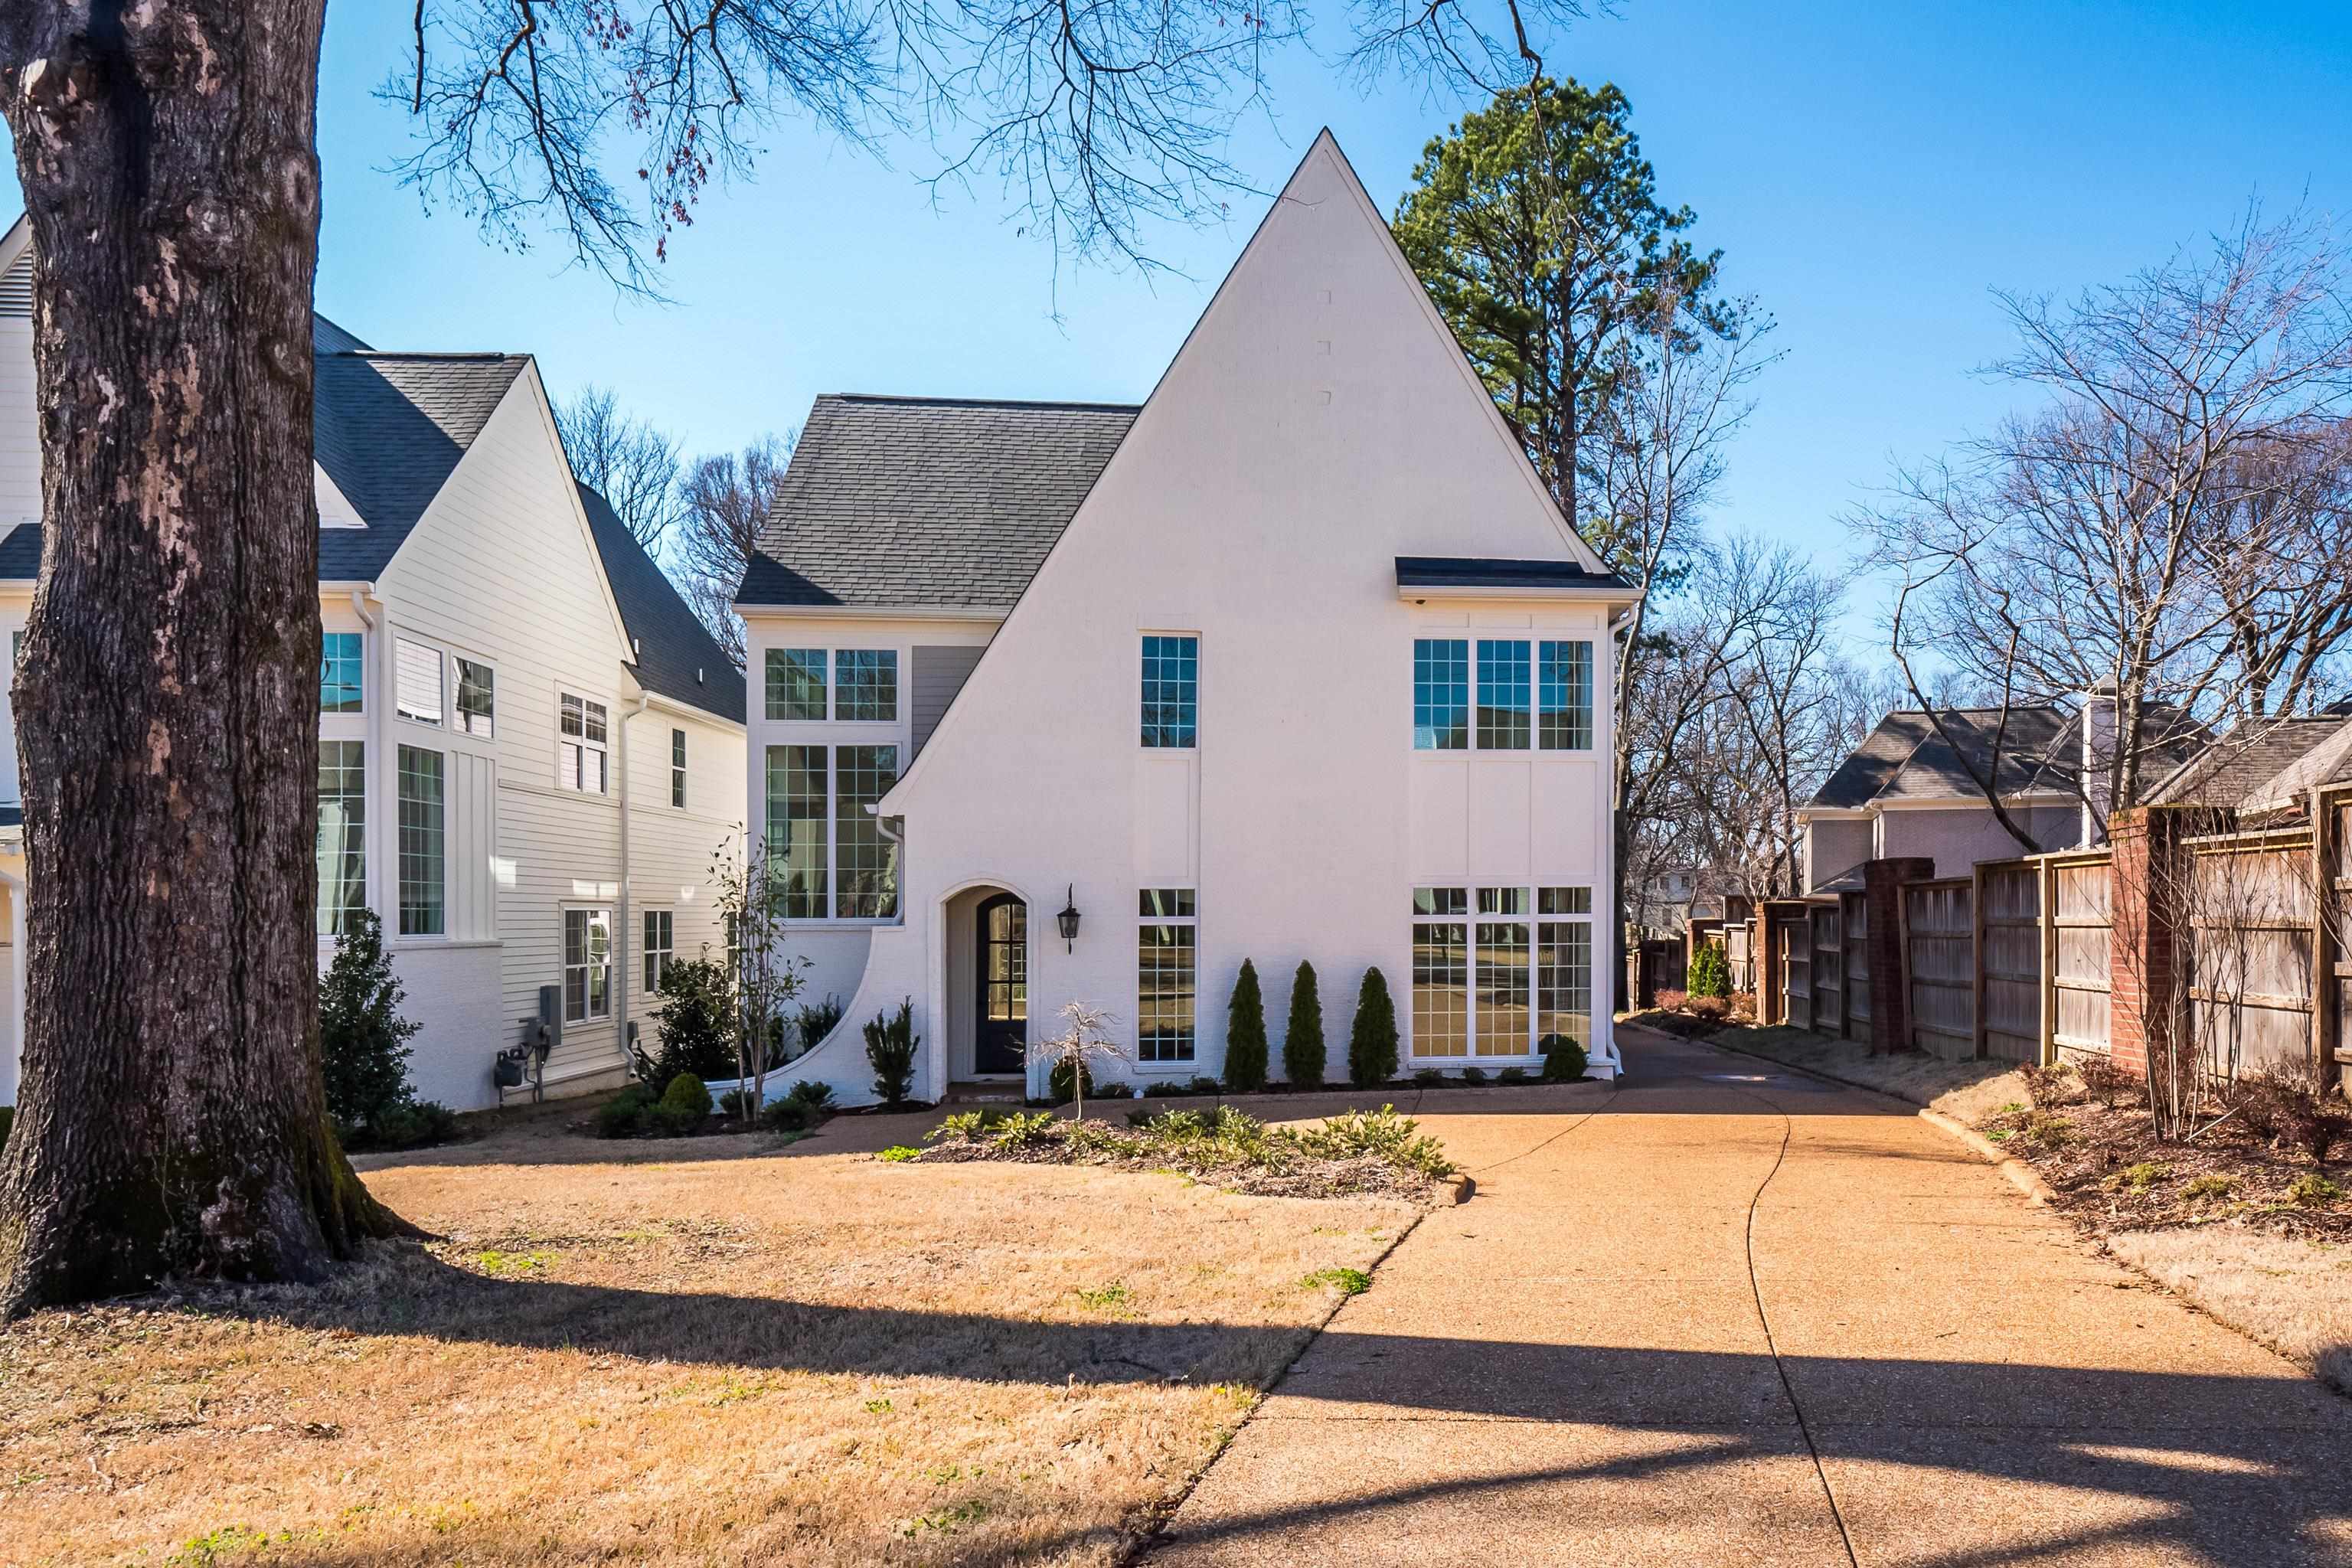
x=580, y=742
x=1564, y=706
x=866, y=684
x=1172, y=691
x=866, y=861
x=1440, y=971
x=417, y=681
x=342, y=834
x=797, y=682
x=1167, y=952
x=341, y=659
x=796, y=838
x=1440, y=694
x=477, y=699
x=422, y=840
x=677, y=769
x=1502, y=959
x=587, y=965
x=1563, y=964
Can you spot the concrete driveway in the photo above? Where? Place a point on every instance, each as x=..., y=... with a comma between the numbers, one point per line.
x=1726, y=1314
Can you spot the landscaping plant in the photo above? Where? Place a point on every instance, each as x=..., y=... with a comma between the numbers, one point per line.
x=1710, y=972
x=1564, y=1060
x=1086, y=1035
x=890, y=1042
x=694, y=1022
x=1245, y=1046
x=751, y=900
x=1304, y=1059
x=1372, y=1042
x=364, y=1046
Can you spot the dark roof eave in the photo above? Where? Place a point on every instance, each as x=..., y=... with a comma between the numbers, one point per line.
x=1421, y=577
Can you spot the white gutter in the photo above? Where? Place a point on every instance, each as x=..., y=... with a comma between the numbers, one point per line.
x=623, y=950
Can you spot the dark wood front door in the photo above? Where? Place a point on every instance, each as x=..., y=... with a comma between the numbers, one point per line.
x=1002, y=1037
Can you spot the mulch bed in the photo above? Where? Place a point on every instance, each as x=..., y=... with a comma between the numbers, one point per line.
x=1297, y=1176
x=2110, y=1173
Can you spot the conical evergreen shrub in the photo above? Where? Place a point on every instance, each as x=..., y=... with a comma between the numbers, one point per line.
x=1245, y=1034
x=1304, y=1060
x=1372, y=1043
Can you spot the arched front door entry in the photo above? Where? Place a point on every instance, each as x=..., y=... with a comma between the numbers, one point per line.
x=1001, y=1038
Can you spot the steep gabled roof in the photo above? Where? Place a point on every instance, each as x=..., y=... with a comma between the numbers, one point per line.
x=1905, y=758
x=676, y=656
x=388, y=428
x=927, y=501
x=2259, y=762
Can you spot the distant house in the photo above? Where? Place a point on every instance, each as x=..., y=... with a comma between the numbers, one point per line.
x=1908, y=790
x=529, y=748
x=1297, y=660
x=2265, y=769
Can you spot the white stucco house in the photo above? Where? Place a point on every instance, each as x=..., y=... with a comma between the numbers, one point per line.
x=531, y=749
x=1296, y=660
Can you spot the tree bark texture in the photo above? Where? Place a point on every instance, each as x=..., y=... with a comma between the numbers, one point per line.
x=173, y=1118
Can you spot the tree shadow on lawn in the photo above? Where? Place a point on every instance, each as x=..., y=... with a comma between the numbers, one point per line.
x=2241, y=1470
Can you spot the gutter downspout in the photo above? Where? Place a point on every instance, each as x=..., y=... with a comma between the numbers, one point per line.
x=623, y=950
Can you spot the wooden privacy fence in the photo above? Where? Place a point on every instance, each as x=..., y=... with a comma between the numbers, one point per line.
x=2248, y=918
x=1792, y=936
x=1739, y=956
x=1827, y=964
x=2075, y=950
x=2010, y=905
x=1939, y=966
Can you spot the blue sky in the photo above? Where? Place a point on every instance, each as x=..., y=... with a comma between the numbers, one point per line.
x=1870, y=170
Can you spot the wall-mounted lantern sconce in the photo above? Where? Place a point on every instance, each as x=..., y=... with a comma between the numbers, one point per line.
x=1068, y=920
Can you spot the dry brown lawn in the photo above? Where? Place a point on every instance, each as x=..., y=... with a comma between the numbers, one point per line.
x=692, y=1352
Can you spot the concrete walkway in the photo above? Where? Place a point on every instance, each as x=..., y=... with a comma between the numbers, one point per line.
x=1723, y=1315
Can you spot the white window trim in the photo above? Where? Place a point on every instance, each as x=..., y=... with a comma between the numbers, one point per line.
x=456, y=683
x=612, y=954
x=645, y=949
x=681, y=750
x=394, y=936
x=1470, y=922
x=603, y=747
x=831, y=746
x=1534, y=751
x=1188, y=1067
x=402, y=640
x=357, y=716
x=1197, y=639
x=902, y=701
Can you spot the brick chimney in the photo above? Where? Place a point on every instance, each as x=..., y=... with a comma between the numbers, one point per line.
x=2098, y=761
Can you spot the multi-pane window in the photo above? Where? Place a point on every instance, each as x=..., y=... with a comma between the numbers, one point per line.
x=866, y=861
x=1504, y=692
x=581, y=744
x=1487, y=980
x=342, y=834
x=677, y=769
x=1172, y=691
x=477, y=699
x=1564, y=711
x=1441, y=972
x=587, y=965
x=866, y=684
x=659, y=948
x=1440, y=694
x=417, y=681
x=341, y=659
x=422, y=840
x=1166, y=974
x=796, y=829
x=797, y=682
x=1563, y=965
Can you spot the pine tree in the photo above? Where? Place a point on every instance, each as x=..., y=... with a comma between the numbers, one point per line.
x=1372, y=1043
x=1245, y=1034
x=361, y=1036
x=1304, y=1060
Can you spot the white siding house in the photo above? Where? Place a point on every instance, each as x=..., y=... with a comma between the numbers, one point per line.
x=508, y=688
x=1299, y=660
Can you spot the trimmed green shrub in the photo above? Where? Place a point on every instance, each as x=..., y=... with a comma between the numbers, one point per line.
x=1512, y=1075
x=1058, y=1087
x=621, y=1116
x=815, y=1020
x=686, y=1092
x=814, y=1094
x=1304, y=1056
x=1710, y=972
x=1428, y=1078
x=1564, y=1060
x=890, y=1042
x=789, y=1115
x=1245, y=1033
x=1372, y=1042
x=364, y=1047
x=1474, y=1075
x=694, y=1022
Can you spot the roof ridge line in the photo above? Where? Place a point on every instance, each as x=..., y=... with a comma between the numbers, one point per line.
x=920, y=398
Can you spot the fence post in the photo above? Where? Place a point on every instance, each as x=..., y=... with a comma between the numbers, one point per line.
x=1977, y=955
x=2046, y=915
x=1890, y=947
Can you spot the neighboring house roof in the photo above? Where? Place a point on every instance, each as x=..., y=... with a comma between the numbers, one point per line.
x=2261, y=762
x=388, y=428
x=1471, y=571
x=676, y=656
x=927, y=501
x=2040, y=749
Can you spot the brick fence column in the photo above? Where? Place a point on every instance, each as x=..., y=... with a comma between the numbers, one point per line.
x=1882, y=899
x=1766, y=946
x=2141, y=998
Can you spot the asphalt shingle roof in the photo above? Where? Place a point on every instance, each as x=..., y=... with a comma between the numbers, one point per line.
x=388, y=428
x=676, y=656
x=931, y=501
x=1905, y=758
x=2252, y=763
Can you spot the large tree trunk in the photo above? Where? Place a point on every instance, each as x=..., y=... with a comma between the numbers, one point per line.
x=173, y=1118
